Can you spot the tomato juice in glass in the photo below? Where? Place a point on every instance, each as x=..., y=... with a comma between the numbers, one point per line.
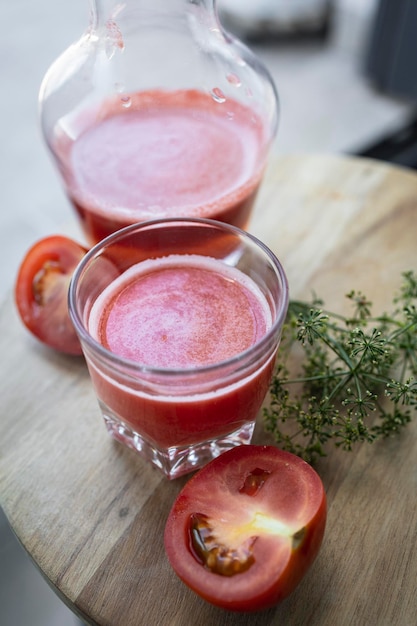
x=161, y=154
x=179, y=321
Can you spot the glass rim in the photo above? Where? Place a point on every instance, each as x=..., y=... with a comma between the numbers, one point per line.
x=194, y=370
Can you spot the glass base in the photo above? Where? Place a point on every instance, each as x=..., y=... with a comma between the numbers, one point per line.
x=175, y=462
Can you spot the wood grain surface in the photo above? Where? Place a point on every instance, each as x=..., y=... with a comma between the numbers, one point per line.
x=91, y=514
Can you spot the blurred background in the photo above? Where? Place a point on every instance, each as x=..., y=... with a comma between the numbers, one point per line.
x=344, y=74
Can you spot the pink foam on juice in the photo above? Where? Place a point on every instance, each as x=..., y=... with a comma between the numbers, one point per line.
x=180, y=312
x=169, y=154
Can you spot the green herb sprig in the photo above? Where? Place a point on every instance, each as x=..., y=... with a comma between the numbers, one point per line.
x=357, y=374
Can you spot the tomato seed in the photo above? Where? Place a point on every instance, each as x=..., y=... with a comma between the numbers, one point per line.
x=44, y=281
x=215, y=556
x=254, y=481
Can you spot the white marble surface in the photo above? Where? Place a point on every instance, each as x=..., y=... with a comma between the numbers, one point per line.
x=326, y=105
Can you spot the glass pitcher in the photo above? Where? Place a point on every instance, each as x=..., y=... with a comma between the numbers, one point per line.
x=157, y=112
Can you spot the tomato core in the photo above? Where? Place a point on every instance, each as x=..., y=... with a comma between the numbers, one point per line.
x=229, y=551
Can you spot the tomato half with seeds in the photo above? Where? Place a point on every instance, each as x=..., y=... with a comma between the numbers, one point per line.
x=245, y=529
x=41, y=291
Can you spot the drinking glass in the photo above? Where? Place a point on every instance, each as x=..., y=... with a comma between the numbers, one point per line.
x=179, y=418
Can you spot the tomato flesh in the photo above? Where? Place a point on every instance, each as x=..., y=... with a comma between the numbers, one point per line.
x=41, y=290
x=245, y=529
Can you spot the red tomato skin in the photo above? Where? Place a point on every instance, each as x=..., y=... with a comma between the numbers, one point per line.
x=279, y=567
x=50, y=325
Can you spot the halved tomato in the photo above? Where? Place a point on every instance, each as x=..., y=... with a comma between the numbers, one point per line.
x=41, y=291
x=244, y=530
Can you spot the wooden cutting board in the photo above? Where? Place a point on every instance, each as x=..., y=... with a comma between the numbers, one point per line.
x=91, y=514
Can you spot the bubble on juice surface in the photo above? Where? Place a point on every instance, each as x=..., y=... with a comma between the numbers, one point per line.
x=218, y=95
